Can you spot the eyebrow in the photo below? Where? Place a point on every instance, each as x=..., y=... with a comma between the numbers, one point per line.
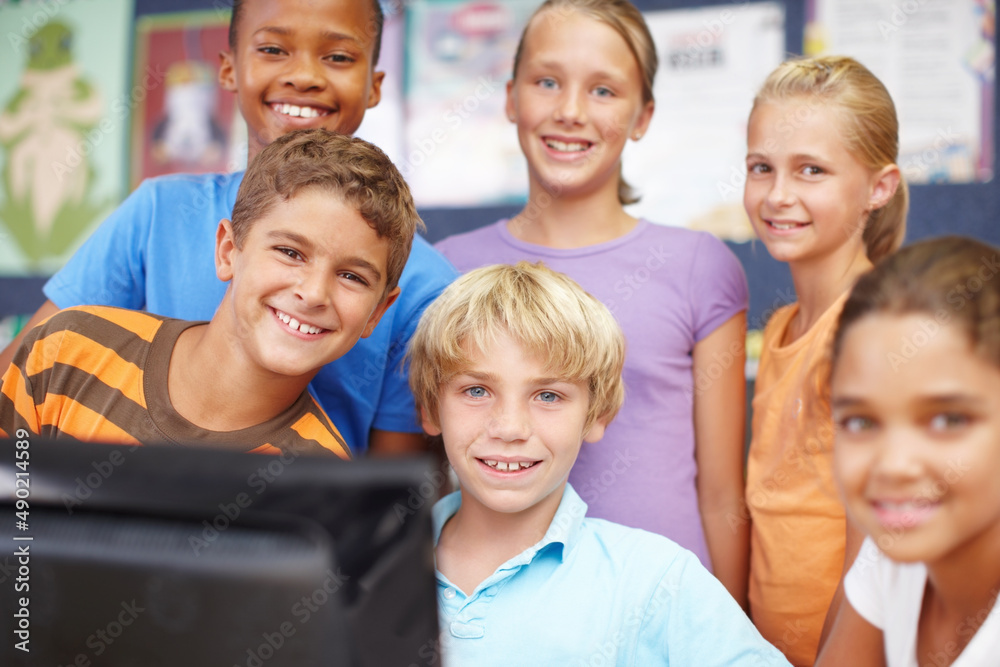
x=361, y=262
x=490, y=377
x=327, y=35
x=930, y=399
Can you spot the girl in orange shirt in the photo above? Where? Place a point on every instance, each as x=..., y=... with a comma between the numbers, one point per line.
x=824, y=195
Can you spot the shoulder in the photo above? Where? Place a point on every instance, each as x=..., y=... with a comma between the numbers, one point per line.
x=92, y=317
x=199, y=193
x=633, y=549
x=426, y=261
x=457, y=247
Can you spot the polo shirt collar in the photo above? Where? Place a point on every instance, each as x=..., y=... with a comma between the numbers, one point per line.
x=563, y=532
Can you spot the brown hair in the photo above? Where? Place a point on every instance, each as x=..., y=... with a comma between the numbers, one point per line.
x=869, y=129
x=548, y=313
x=627, y=21
x=352, y=168
x=953, y=279
x=377, y=22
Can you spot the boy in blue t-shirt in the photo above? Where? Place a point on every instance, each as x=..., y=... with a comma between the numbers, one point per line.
x=293, y=65
x=515, y=366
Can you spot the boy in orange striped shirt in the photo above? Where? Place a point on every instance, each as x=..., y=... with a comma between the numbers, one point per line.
x=320, y=232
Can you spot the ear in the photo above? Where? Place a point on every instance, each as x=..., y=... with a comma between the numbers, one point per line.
x=885, y=182
x=380, y=311
x=375, y=91
x=511, y=108
x=225, y=248
x=430, y=428
x=227, y=71
x=596, y=430
x=642, y=122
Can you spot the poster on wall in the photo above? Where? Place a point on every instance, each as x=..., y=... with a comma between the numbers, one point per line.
x=460, y=148
x=65, y=107
x=936, y=58
x=188, y=123
x=690, y=166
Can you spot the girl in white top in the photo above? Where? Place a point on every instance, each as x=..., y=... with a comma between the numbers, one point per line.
x=915, y=389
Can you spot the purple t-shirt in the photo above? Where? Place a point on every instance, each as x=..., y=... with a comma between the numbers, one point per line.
x=669, y=288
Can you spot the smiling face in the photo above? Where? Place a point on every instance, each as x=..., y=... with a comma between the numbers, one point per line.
x=918, y=438
x=306, y=284
x=576, y=99
x=512, y=431
x=302, y=64
x=807, y=196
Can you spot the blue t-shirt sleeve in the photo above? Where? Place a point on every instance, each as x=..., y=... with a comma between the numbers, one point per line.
x=432, y=273
x=109, y=268
x=718, y=286
x=692, y=620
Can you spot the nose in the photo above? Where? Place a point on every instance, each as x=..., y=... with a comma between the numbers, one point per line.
x=304, y=73
x=509, y=422
x=780, y=194
x=897, y=456
x=314, y=288
x=570, y=109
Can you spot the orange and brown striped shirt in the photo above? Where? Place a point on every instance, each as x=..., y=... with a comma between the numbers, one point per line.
x=100, y=373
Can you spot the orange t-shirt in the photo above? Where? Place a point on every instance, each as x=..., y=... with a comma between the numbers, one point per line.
x=798, y=531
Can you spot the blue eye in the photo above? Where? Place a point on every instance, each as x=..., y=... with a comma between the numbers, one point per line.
x=476, y=392
x=547, y=83
x=548, y=397
x=601, y=91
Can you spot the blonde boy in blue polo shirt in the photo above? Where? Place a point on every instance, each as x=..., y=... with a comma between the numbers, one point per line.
x=516, y=366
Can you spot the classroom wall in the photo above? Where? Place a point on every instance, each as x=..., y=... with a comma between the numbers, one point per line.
x=971, y=209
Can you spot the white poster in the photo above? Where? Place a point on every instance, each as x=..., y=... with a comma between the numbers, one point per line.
x=936, y=58
x=690, y=166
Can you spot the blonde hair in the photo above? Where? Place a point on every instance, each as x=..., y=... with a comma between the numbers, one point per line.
x=941, y=277
x=625, y=19
x=353, y=168
x=545, y=311
x=869, y=129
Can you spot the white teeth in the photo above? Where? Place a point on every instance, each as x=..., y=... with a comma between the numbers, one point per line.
x=295, y=324
x=566, y=147
x=297, y=111
x=783, y=227
x=505, y=466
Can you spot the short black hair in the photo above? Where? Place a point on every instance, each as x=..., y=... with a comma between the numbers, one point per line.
x=378, y=20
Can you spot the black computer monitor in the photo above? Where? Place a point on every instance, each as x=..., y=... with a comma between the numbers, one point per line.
x=142, y=556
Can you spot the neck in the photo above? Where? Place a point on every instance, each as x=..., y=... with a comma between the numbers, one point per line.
x=568, y=221
x=956, y=593
x=819, y=283
x=214, y=386
x=477, y=540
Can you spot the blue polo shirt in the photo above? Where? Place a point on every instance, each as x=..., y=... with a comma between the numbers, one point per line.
x=592, y=592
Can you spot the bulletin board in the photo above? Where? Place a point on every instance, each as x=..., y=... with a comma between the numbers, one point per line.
x=971, y=208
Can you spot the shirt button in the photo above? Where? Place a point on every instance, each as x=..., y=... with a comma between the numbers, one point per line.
x=449, y=593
